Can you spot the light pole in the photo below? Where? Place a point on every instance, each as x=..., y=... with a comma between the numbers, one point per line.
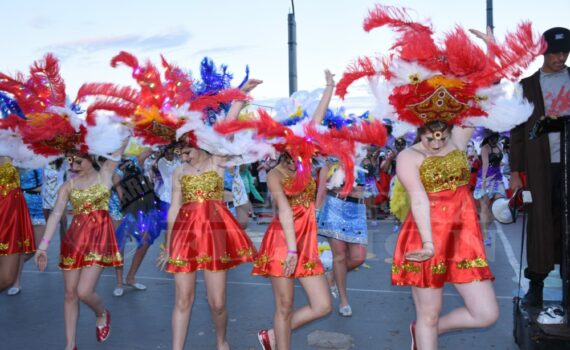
x=490, y=14
x=292, y=43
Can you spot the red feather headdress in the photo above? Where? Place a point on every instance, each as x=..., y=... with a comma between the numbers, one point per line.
x=159, y=107
x=427, y=81
x=50, y=128
x=333, y=142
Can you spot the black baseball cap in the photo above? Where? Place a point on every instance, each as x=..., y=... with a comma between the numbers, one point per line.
x=558, y=40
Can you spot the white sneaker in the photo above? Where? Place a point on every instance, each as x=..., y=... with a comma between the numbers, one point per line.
x=345, y=311
x=551, y=315
x=118, y=292
x=14, y=291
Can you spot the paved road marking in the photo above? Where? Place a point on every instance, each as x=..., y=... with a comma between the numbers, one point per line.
x=508, y=249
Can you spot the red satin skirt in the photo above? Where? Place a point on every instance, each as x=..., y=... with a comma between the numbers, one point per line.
x=16, y=232
x=273, y=250
x=90, y=240
x=206, y=236
x=459, y=250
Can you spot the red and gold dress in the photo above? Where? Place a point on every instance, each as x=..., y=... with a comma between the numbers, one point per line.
x=205, y=235
x=16, y=232
x=273, y=249
x=90, y=239
x=459, y=251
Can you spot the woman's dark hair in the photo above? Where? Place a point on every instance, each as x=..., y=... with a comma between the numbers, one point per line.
x=58, y=163
x=492, y=135
x=283, y=157
x=95, y=161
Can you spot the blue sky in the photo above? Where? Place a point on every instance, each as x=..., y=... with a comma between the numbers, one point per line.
x=86, y=34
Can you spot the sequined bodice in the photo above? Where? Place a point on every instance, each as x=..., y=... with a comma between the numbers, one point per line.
x=440, y=173
x=203, y=187
x=92, y=198
x=304, y=198
x=9, y=179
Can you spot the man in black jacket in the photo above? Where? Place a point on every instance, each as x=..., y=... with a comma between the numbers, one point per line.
x=548, y=89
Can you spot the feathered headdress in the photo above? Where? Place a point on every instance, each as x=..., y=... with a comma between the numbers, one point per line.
x=159, y=107
x=51, y=126
x=453, y=82
x=313, y=140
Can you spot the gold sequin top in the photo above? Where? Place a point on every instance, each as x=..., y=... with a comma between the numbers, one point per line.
x=91, y=199
x=304, y=198
x=9, y=179
x=440, y=173
x=208, y=186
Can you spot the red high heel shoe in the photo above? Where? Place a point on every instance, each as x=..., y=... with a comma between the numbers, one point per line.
x=263, y=337
x=102, y=333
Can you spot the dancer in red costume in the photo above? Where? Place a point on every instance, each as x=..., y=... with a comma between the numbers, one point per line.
x=444, y=90
x=202, y=234
x=16, y=235
x=440, y=240
x=89, y=245
x=289, y=248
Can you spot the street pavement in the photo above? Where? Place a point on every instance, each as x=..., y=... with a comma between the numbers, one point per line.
x=141, y=319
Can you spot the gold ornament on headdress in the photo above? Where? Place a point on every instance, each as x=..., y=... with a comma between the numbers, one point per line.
x=440, y=105
x=162, y=130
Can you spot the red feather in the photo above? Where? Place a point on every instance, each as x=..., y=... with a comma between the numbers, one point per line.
x=125, y=58
x=26, y=98
x=215, y=101
x=178, y=87
x=108, y=105
x=518, y=52
x=395, y=17
x=126, y=94
x=370, y=133
x=49, y=134
x=46, y=81
x=336, y=143
x=363, y=67
x=147, y=77
x=12, y=122
x=463, y=56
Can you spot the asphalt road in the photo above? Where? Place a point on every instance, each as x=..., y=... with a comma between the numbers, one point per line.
x=141, y=319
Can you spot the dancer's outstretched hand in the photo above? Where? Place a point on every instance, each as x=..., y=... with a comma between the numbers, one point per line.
x=40, y=258
x=290, y=264
x=488, y=37
x=329, y=77
x=250, y=84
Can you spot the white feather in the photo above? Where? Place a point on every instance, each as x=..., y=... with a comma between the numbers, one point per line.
x=505, y=105
x=106, y=136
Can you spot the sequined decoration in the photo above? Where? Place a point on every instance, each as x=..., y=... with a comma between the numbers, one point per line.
x=304, y=198
x=91, y=199
x=9, y=179
x=469, y=264
x=440, y=173
x=441, y=105
x=206, y=186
